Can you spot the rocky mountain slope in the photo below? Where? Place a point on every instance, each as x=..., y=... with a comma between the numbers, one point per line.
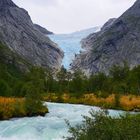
x=18, y=32
x=42, y=30
x=10, y=61
x=116, y=43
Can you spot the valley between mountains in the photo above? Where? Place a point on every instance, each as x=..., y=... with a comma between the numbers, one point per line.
x=49, y=81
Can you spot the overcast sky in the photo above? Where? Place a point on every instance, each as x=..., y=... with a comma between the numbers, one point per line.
x=64, y=16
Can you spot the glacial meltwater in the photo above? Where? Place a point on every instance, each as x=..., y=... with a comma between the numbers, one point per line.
x=50, y=127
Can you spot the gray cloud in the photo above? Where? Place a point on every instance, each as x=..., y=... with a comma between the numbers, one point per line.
x=63, y=16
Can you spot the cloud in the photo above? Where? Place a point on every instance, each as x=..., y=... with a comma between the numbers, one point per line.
x=63, y=16
x=37, y=2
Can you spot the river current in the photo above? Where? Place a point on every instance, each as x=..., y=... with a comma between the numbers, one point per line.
x=50, y=127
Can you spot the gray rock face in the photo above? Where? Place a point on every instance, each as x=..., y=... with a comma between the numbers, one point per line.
x=8, y=58
x=7, y=3
x=42, y=30
x=18, y=32
x=116, y=43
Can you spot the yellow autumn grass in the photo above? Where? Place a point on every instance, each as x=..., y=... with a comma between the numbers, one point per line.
x=130, y=102
x=16, y=107
x=11, y=107
x=127, y=102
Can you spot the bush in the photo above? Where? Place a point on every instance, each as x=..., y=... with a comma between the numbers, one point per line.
x=11, y=107
x=4, y=88
x=100, y=126
x=117, y=101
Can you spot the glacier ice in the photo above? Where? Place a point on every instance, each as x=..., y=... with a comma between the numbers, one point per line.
x=70, y=43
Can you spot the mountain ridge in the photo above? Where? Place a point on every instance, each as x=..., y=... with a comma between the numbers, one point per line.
x=43, y=30
x=17, y=31
x=113, y=45
x=7, y=3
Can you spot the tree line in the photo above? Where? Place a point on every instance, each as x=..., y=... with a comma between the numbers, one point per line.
x=119, y=80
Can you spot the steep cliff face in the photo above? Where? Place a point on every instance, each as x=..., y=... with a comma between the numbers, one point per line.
x=18, y=32
x=116, y=43
x=43, y=30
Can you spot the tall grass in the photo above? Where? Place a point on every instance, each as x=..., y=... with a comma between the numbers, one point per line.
x=11, y=107
x=15, y=107
x=114, y=101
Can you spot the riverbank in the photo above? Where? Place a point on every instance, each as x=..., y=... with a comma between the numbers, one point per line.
x=16, y=107
x=114, y=101
x=50, y=127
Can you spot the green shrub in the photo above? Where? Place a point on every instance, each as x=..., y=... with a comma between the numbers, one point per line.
x=100, y=126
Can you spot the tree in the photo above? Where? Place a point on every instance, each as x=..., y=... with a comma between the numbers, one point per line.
x=119, y=73
x=33, y=89
x=4, y=88
x=119, y=76
x=62, y=79
x=33, y=103
x=134, y=80
x=17, y=89
x=77, y=85
x=50, y=83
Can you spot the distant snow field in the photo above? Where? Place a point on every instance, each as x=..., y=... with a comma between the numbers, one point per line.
x=70, y=43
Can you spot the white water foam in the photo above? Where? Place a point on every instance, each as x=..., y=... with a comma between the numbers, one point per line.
x=50, y=127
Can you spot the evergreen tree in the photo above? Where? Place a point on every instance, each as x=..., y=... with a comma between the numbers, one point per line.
x=33, y=89
x=4, y=88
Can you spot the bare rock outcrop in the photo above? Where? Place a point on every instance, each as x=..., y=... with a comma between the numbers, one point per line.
x=42, y=30
x=17, y=31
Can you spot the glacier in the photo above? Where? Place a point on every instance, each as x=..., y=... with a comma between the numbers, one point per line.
x=70, y=43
